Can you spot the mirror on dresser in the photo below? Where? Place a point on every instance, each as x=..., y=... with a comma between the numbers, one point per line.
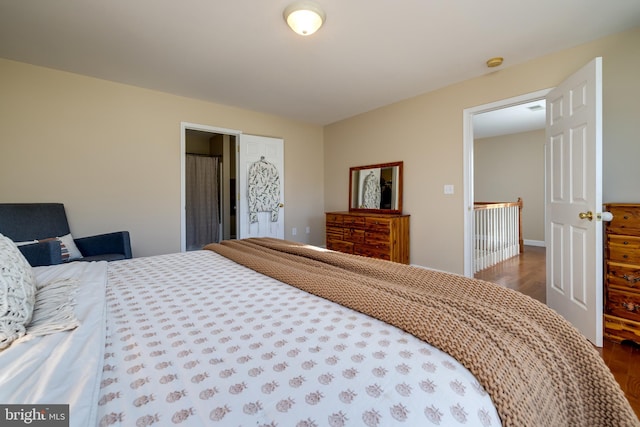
x=376, y=188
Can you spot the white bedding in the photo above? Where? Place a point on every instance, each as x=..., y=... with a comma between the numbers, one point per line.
x=65, y=367
x=196, y=339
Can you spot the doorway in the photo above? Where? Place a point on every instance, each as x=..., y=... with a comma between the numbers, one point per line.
x=208, y=159
x=507, y=159
x=469, y=152
x=509, y=165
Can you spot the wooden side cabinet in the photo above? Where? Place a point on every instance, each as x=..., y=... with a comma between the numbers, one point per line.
x=384, y=236
x=622, y=273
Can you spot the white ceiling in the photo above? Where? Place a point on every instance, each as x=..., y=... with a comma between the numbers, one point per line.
x=515, y=119
x=240, y=53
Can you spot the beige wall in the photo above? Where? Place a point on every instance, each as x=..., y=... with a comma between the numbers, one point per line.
x=510, y=166
x=111, y=153
x=426, y=132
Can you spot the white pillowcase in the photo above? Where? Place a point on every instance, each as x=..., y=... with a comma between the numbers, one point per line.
x=74, y=252
x=17, y=292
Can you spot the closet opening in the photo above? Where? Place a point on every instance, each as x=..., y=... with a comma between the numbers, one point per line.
x=209, y=174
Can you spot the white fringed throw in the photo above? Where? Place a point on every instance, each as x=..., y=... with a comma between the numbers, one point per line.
x=54, y=308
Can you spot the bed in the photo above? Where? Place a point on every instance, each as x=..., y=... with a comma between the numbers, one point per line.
x=264, y=332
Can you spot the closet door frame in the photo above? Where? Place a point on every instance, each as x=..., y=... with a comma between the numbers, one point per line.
x=184, y=126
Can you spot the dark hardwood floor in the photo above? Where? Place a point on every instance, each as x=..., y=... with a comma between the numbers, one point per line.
x=526, y=273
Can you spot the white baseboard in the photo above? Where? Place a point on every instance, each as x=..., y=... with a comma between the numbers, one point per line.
x=534, y=243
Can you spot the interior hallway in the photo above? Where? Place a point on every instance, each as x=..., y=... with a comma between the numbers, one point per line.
x=526, y=273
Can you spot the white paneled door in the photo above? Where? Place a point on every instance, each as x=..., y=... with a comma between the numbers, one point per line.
x=266, y=155
x=573, y=154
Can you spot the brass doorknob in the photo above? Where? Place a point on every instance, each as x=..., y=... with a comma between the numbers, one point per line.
x=586, y=215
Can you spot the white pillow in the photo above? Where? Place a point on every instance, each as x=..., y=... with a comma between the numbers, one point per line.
x=17, y=292
x=74, y=252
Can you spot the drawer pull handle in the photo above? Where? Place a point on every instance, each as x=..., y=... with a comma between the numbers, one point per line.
x=631, y=278
x=625, y=243
x=629, y=306
x=625, y=217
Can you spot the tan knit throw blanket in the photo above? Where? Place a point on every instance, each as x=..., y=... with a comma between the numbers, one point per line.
x=537, y=368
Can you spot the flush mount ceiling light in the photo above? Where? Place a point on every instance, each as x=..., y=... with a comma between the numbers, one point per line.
x=304, y=17
x=495, y=62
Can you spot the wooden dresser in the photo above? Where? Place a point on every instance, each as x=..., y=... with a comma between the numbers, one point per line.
x=622, y=273
x=384, y=236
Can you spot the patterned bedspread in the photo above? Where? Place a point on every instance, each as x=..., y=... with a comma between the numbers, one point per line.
x=196, y=339
x=539, y=370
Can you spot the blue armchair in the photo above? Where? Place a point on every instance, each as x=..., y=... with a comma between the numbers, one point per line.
x=26, y=222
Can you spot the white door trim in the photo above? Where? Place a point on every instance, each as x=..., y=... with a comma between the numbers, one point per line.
x=467, y=120
x=183, y=145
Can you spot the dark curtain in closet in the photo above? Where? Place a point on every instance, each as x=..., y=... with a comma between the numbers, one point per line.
x=202, y=200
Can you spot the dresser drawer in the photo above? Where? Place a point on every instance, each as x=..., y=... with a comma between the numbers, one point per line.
x=353, y=221
x=624, y=249
x=374, y=251
x=623, y=276
x=619, y=329
x=334, y=231
x=378, y=239
x=334, y=219
x=378, y=245
x=340, y=246
x=378, y=225
x=626, y=219
x=354, y=235
x=623, y=304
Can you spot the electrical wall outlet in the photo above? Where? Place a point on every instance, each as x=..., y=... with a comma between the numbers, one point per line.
x=294, y=231
x=448, y=189
x=308, y=230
